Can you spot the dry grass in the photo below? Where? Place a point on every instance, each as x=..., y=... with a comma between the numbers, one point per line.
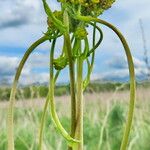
x=28, y=112
x=102, y=98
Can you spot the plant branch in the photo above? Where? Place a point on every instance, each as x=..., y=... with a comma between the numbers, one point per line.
x=54, y=115
x=10, y=134
x=132, y=77
x=44, y=113
x=92, y=51
x=67, y=43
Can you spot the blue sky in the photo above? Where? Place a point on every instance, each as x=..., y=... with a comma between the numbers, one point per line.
x=23, y=22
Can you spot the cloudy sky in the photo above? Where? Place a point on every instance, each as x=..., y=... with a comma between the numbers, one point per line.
x=23, y=22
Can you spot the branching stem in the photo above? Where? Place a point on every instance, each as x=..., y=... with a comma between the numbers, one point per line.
x=125, y=139
x=54, y=115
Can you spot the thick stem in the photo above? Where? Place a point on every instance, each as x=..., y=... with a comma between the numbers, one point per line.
x=10, y=123
x=125, y=139
x=72, y=87
x=79, y=106
x=67, y=43
x=72, y=84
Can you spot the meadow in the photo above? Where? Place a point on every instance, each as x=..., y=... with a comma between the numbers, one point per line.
x=104, y=118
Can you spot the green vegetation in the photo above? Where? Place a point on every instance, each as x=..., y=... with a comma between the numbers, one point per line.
x=27, y=123
x=33, y=92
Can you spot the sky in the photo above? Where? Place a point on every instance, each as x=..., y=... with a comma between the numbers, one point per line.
x=23, y=22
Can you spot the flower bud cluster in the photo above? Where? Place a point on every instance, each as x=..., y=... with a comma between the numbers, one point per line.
x=90, y=7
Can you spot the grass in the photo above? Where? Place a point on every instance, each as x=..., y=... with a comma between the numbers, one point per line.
x=40, y=91
x=104, y=116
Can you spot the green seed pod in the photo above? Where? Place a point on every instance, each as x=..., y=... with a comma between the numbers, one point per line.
x=60, y=63
x=81, y=33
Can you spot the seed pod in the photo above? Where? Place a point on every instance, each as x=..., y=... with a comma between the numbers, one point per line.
x=60, y=63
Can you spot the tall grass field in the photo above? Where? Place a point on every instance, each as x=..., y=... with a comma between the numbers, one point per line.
x=104, y=118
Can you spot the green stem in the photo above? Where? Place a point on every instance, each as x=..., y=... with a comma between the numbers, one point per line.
x=94, y=40
x=54, y=116
x=67, y=43
x=72, y=85
x=75, y=48
x=125, y=139
x=43, y=122
x=99, y=41
x=92, y=51
x=44, y=115
x=128, y=126
x=79, y=107
x=10, y=123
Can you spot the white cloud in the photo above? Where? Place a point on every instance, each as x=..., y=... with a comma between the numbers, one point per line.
x=8, y=66
x=120, y=62
x=117, y=69
x=32, y=78
x=23, y=22
x=38, y=60
x=15, y=14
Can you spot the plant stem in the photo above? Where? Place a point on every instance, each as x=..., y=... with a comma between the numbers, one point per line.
x=67, y=43
x=94, y=40
x=43, y=122
x=54, y=115
x=10, y=122
x=45, y=106
x=125, y=139
x=132, y=87
x=96, y=45
x=72, y=84
x=44, y=116
x=79, y=107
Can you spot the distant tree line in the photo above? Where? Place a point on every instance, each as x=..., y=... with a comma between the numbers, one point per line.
x=32, y=92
